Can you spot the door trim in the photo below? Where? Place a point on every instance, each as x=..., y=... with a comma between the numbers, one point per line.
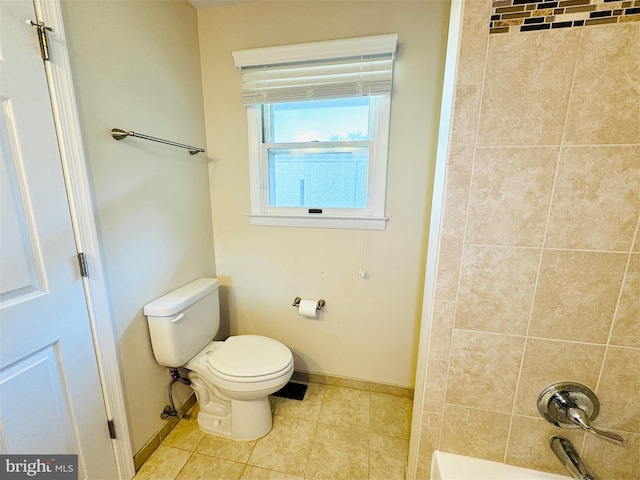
x=68, y=132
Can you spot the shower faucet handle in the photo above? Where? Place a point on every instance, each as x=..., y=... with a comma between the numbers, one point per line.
x=580, y=418
x=572, y=405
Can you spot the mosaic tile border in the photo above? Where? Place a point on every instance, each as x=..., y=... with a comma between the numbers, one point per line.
x=509, y=16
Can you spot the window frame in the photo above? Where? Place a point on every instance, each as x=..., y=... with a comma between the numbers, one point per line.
x=372, y=217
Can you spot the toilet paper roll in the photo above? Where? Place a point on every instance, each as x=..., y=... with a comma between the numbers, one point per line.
x=307, y=308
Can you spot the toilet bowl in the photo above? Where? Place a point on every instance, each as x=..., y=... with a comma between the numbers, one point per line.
x=232, y=379
x=237, y=376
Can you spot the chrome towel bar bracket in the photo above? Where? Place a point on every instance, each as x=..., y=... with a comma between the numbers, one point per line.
x=118, y=134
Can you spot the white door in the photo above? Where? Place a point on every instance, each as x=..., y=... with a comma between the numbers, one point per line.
x=50, y=393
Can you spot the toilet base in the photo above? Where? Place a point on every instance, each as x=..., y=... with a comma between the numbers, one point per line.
x=234, y=419
x=248, y=420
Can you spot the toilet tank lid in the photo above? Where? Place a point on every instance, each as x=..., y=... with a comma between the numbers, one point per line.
x=179, y=299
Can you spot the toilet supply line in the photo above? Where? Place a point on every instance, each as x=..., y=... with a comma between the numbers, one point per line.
x=170, y=410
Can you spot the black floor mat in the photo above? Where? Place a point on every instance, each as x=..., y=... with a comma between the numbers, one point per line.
x=294, y=391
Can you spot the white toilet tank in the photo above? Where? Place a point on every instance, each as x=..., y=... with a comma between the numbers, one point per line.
x=184, y=321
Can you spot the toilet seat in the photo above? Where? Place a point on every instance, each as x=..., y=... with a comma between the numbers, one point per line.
x=249, y=358
x=245, y=359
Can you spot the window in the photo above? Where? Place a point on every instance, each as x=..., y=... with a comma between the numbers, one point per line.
x=317, y=153
x=318, y=132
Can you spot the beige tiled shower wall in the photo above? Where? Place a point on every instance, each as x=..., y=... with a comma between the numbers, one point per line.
x=538, y=272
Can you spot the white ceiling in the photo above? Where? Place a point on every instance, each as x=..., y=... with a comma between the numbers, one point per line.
x=214, y=3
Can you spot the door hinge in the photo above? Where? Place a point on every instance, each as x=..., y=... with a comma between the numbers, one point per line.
x=82, y=261
x=112, y=429
x=42, y=38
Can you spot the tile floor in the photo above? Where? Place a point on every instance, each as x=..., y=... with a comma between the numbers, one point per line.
x=334, y=433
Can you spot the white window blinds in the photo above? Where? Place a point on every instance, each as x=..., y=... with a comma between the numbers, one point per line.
x=354, y=67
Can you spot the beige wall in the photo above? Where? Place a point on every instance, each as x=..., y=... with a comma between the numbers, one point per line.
x=368, y=330
x=539, y=263
x=136, y=67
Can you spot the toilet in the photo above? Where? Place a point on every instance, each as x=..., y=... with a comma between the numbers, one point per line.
x=232, y=379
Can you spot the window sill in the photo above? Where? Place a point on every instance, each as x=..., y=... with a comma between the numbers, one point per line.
x=318, y=221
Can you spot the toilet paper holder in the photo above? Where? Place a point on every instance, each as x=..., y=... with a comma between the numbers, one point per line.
x=296, y=303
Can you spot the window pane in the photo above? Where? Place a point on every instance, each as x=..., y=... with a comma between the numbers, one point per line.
x=336, y=120
x=318, y=177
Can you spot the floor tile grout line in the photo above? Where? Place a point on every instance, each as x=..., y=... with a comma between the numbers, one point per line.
x=185, y=464
x=313, y=439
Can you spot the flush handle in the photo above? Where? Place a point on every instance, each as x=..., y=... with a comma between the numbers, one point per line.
x=572, y=405
x=179, y=317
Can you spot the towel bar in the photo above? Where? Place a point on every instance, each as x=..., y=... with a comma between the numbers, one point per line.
x=120, y=134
